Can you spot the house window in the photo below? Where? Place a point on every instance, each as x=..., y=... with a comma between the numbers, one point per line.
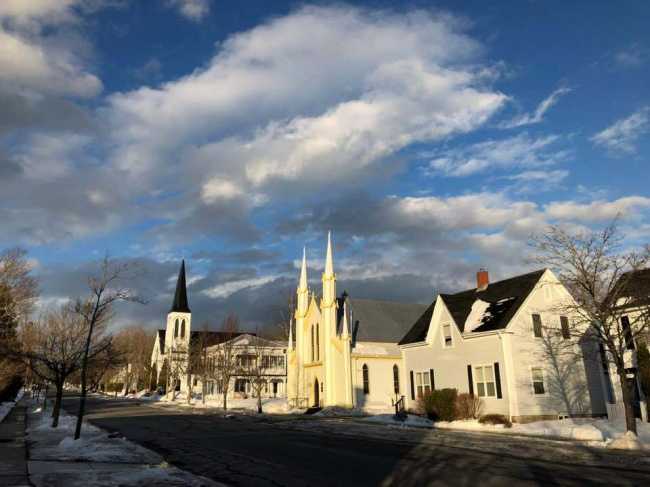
x=422, y=383
x=196, y=382
x=485, y=381
x=396, y=379
x=564, y=323
x=537, y=326
x=366, y=380
x=245, y=360
x=538, y=380
x=243, y=385
x=176, y=328
x=627, y=330
x=183, y=329
x=446, y=331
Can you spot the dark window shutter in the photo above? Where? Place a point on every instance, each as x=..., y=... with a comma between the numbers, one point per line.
x=470, y=380
x=412, y=387
x=497, y=378
x=433, y=382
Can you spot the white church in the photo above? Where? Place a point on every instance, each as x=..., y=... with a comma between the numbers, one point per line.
x=346, y=351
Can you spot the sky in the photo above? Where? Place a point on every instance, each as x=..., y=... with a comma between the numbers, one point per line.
x=430, y=138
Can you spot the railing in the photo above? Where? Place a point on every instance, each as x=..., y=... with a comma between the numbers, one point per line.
x=400, y=412
x=616, y=412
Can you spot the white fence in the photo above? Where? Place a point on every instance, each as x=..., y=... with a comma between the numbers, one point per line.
x=616, y=412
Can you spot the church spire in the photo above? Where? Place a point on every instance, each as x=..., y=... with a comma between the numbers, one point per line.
x=329, y=266
x=180, y=296
x=303, y=272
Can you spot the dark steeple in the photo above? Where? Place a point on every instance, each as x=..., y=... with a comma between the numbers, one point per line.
x=180, y=296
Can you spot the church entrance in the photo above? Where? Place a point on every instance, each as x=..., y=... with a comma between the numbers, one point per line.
x=316, y=393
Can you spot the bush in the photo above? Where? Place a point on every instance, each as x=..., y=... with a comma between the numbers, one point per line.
x=438, y=405
x=469, y=406
x=495, y=419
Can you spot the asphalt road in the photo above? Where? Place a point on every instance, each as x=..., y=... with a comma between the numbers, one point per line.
x=250, y=453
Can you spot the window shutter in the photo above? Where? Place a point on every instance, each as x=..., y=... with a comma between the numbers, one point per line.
x=412, y=387
x=497, y=378
x=433, y=382
x=564, y=322
x=469, y=378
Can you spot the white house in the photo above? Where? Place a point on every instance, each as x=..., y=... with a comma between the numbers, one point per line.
x=488, y=341
x=346, y=351
x=256, y=361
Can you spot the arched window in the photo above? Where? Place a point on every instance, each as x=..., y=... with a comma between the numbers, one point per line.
x=176, y=329
x=366, y=380
x=317, y=342
x=312, y=343
x=396, y=378
x=183, y=329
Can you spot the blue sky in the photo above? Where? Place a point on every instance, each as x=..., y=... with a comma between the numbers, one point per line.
x=431, y=138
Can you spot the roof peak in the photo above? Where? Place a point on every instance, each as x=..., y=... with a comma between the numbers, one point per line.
x=179, y=304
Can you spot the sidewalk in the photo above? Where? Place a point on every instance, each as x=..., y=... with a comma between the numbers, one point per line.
x=13, y=449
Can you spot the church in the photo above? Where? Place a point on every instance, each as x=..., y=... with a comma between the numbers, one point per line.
x=346, y=351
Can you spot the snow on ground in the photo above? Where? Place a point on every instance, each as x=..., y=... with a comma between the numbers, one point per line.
x=270, y=405
x=596, y=432
x=5, y=407
x=98, y=458
x=338, y=411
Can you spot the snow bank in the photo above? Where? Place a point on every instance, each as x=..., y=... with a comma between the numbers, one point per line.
x=270, y=405
x=338, y=411
x=5, y=407
x=628, y=441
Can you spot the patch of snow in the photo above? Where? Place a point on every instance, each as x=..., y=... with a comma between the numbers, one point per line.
x=411, y=420
x=628, y=441
x=5, y=407
x=366, y=349
x=476, y=315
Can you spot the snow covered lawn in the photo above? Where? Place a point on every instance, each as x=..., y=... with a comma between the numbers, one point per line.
x=339, y=412
x=5, y=407
x=270, y=405
x=106, y=459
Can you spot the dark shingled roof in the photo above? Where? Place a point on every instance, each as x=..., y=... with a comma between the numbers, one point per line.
x=505, y=298
x=180, y=296
x=636, y=286
x=380, y=321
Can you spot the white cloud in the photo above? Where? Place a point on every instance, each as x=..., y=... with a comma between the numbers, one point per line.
x=225, y=290
x=515, y=152
x=218, y=189
x=597, y=211
x=538, y=115
x=536, y=181
x=632, y=57
x=191, y=9
x=621, y=136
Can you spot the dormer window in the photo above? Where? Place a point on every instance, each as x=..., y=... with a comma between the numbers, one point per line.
x=446, y=333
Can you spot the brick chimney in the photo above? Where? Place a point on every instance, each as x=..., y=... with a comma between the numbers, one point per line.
x=482, y=279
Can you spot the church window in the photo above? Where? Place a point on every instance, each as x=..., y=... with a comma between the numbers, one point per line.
x=366, y=380
x=176, y=329
x=396, y=378
x=312, y=343
x=183, y=329
x=317, y=342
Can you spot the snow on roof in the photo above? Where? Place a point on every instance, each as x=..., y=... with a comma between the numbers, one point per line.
x=476, y=315
x=377, y=350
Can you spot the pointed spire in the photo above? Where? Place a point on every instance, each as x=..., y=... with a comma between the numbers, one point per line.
x=180, y=296
x=303, y=271
x=329, y=266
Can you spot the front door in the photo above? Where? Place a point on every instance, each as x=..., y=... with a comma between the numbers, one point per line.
x=316, y=393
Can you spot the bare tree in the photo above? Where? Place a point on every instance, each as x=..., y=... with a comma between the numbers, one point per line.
x=97, y=310
x=135, y=342
x=178, y=367
x=282, y=315
x=596, y=271
x=226, y=355
x=256, y=369
x=18, y=291
x=201, y=360
x=53, y=347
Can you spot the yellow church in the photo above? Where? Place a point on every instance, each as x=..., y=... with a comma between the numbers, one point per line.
x=346, y=351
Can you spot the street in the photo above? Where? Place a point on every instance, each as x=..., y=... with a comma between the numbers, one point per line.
x=244, y=452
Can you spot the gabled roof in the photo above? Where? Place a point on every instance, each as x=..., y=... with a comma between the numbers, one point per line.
x=212, y=337
x=636, y=287
x=503, y=299
x=251, y=340
x=180, y=296
x=418, y=332
x=380, y=321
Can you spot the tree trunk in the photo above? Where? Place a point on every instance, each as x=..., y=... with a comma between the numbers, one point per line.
x=225, y=395
x=57, y=405
x=630, y=420
x=203, y=392
x=259, y=400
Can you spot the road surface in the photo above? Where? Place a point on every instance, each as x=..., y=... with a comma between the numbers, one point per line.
x=249, y=453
